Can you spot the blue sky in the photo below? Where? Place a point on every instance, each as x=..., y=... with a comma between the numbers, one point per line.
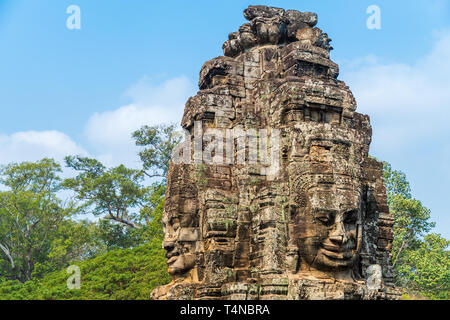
x=134, y=62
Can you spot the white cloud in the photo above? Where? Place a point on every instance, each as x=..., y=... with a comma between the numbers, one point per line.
x=110, y=132
x=407, y=103
x=35, y=145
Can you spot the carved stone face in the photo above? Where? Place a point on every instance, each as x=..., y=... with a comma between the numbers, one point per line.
x=179, y=243
x=327, y=230
x=326, y=208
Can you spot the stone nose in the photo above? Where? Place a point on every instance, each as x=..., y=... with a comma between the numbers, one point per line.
x=338, y=236
x=168, y=245
x=338, y=239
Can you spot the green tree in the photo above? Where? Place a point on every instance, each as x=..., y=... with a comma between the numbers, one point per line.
x=427, y=269
x=158, y=143
x=412, y=222
x=396, y=183
x=120, y=255
x=129, y=212
x=72, y=241
x=119, y=274
x=115, y=193
x=152, y=213
x=418, y=257
x=30, y=215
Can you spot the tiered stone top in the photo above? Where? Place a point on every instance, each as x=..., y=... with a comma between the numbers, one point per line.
x=270, y=25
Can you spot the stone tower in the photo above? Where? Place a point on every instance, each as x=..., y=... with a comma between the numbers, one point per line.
x=273, y=194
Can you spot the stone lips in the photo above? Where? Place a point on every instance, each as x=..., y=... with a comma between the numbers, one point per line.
x=315, y=228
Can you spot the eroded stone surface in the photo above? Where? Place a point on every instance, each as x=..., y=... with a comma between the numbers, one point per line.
x=313, y=222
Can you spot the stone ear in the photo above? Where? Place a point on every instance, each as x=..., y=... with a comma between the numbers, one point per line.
x=292, y=259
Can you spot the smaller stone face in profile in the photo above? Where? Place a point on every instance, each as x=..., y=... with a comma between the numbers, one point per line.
x=179, y=244
x=180, y=223
x=310, y=223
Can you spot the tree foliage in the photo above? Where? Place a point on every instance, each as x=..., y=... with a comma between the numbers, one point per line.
x=120, y=254
x=119, y=274
x=427, y=269
x=420, y=259
x=110, y=193
x=158, y=143
x=31, y=216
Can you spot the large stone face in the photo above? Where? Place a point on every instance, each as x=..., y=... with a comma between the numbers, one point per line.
x=274, y=195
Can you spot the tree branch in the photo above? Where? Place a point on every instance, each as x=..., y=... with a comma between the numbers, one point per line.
x=6, y=251
x=125, y=222
x=154, y=175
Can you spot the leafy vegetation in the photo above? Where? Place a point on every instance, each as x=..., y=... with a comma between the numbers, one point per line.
x=158, y=143
x=32, y=218
x=421, y=259
x=119, y=255
x=125, y=274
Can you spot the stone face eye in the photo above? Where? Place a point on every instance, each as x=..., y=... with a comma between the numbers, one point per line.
x=350, y=220
x=174, y=222
x=351, y=217
x=324, y=220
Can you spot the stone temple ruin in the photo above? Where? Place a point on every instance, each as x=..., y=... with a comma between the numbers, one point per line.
x=311, y=223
